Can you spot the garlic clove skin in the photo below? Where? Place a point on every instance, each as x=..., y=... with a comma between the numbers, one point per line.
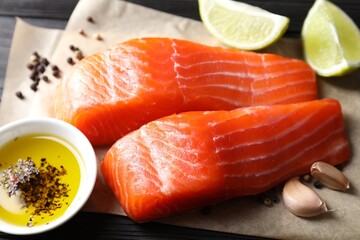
x=301, y=200
x=329, y=176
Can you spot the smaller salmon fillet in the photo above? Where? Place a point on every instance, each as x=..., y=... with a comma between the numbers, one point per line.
x=187, y=161
x=112, y=93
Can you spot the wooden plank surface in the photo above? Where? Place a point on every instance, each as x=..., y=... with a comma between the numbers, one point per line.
x=54, y=14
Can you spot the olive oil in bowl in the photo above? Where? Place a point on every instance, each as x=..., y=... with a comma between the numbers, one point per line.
x=48, y=194
x=48, y=170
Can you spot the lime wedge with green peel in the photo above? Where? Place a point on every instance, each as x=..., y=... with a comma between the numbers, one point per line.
x=331, y=40
x=241, y=25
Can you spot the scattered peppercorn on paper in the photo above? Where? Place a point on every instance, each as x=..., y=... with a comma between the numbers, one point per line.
x=95, y=26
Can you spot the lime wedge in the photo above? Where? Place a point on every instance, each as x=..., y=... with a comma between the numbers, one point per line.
x=331, y=40
x=241, y=25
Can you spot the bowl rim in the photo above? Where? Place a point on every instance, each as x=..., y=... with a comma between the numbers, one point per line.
x=85, y=187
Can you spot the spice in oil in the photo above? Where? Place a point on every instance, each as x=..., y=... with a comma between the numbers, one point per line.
x=53, y=178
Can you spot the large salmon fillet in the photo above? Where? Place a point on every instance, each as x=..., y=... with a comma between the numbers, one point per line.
x=193, y=159
x=113, y=92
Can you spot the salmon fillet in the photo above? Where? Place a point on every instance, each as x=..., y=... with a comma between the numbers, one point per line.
x=111, y=93
x=186, y=161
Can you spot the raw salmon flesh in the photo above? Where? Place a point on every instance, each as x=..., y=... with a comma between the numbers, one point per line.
x=193, y=159
x=111, y=93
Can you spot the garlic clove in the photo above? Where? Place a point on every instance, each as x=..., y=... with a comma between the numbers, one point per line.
x=301, y=200
x=329, y=176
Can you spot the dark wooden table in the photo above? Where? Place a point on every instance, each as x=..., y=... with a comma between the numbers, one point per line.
x=54, y=14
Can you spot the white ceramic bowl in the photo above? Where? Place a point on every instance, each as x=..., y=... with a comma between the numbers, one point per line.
x=87, y=163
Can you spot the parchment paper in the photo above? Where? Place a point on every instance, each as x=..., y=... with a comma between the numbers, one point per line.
x=26, y=40
x=117, y=21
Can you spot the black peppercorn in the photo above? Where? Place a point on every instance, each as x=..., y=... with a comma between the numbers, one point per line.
x=90, y=19
x=56, y=74
x=268, y=202
x=36, y=54
x=41, y=68
x=317, y=184
x=33, y=75
x=46, y=79
x=20, y=95
x=34, y=86
x=44, y=61
x=54, y=68
x=70, y=61
x=30, y=66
